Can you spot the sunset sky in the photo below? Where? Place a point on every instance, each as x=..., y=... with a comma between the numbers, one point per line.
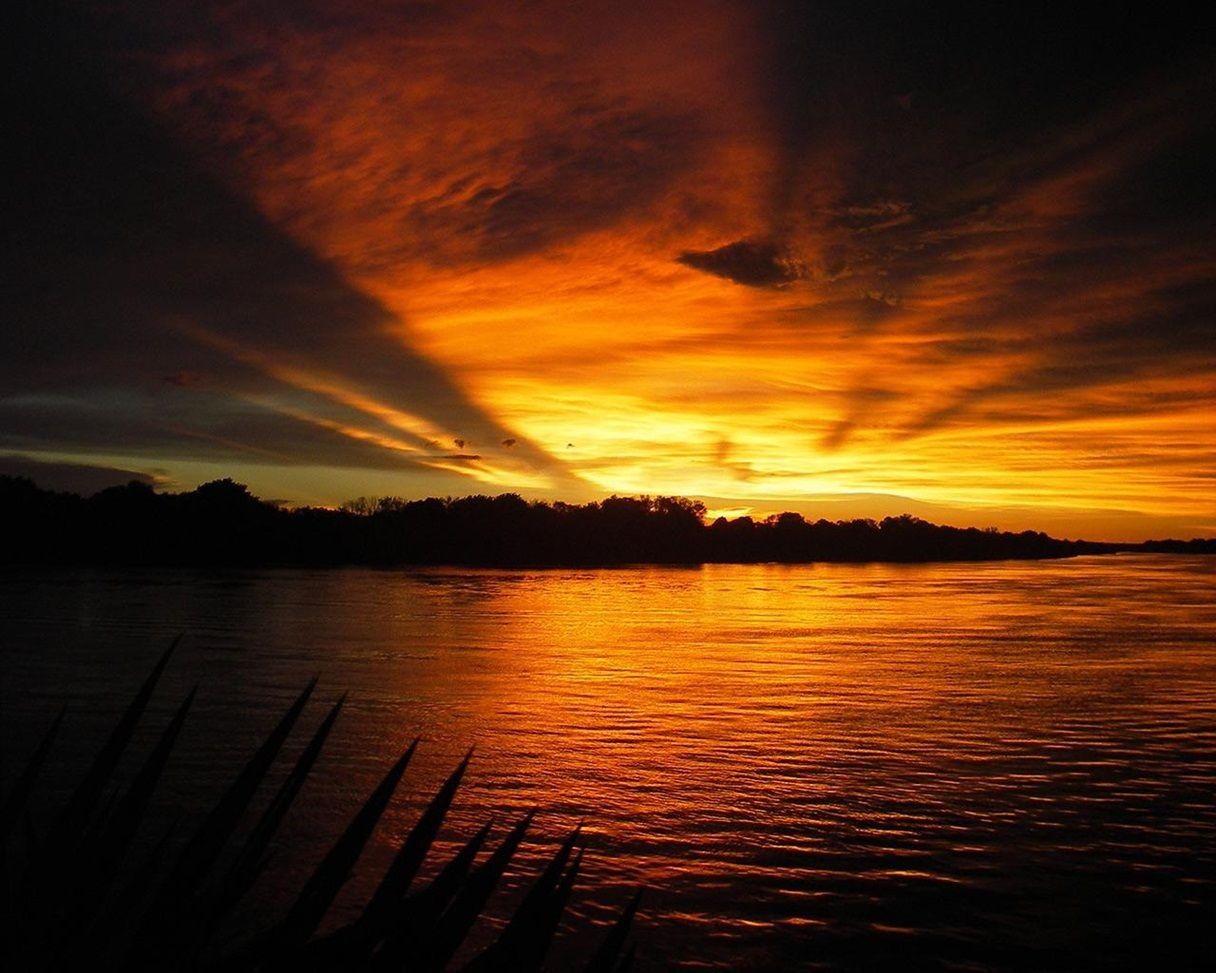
x=845, y=259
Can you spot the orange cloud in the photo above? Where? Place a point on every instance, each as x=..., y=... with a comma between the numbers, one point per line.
x=564, y=206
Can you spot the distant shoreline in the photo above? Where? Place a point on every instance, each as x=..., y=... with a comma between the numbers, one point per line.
x=221, y=524
x=12, y=570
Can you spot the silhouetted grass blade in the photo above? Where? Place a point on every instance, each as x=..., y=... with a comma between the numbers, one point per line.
x=18, y=796
x=165, y=924
x=84, y=798
x=321, y=888
x=414, y=919
x=545, y=885
x=605, y=957
x=413, y=850
x=50, y=874
x=250, y=861
x=524, y=941
x=211, y=836
x=459, y=917
x=353, y=944
x=100, y=942
x=101, y=856
x=127, y=816
x=444, y=886
x=396, y=927
x=536, y=939
x=84, y=904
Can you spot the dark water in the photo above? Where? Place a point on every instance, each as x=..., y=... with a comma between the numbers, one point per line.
x=1007, y=766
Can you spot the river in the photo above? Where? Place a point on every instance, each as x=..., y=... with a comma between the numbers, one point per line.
x=983, y=766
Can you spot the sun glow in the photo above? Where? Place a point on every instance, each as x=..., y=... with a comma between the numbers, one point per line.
x=631, y=265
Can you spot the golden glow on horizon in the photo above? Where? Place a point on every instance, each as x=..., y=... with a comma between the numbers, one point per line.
x=425, y=433
x=409, y=163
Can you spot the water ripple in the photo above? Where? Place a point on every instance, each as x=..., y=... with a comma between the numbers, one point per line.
x=965, y=767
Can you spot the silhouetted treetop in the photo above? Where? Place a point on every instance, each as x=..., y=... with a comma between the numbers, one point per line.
x=221, y=522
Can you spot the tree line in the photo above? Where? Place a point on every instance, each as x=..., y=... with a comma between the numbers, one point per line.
x=222, y=523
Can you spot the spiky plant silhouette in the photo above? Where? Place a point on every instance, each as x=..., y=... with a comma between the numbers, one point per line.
x=76, y=896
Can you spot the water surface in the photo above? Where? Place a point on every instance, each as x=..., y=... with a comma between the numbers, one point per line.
x=988, y=767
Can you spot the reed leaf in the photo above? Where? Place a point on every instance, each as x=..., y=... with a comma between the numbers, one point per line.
x=321, y=888
x=101, y=855
x=604, y=959
x=454, y=925
x=84, y=799
x=100, y=942
x=525, y=940
x=15, y=803
x=167, y=928
x=355, y=942
x=47, y=892
x=129, y=814
x=417, y=915
x=413, y=850
x=200, y=853
x=249, y=863
x=73, y=912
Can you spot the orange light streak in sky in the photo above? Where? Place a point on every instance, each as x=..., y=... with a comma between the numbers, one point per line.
x=515, y=185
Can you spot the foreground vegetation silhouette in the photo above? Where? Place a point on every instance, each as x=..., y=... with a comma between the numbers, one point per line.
x=77, y=894
x=222, y=523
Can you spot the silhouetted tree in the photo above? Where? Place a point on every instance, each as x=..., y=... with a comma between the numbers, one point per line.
x=221, y=522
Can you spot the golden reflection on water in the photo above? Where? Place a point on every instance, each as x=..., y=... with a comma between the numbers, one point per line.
x=963, y=763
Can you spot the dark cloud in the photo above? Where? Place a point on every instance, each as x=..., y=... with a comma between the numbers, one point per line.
x=1034, y=272
x=726, y=457
x=855, y=402
x=565, y=182
x=197, y=426
x=82, y=478
x=753, y=263
x=973, y=75
x=993, y=215
x=136, y=281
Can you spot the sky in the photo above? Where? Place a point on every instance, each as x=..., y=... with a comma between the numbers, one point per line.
x=843, y=259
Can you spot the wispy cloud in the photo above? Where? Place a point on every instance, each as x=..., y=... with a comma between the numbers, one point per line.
x=870, y=256
x=755, y=263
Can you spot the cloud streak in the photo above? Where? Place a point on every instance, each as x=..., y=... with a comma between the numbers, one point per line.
x=961, y=257
x=754, y=263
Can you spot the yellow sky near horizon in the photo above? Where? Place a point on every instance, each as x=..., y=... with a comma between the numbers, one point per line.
x=598, y=226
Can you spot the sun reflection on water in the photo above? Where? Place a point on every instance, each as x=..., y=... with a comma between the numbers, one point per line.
x=988, y=765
